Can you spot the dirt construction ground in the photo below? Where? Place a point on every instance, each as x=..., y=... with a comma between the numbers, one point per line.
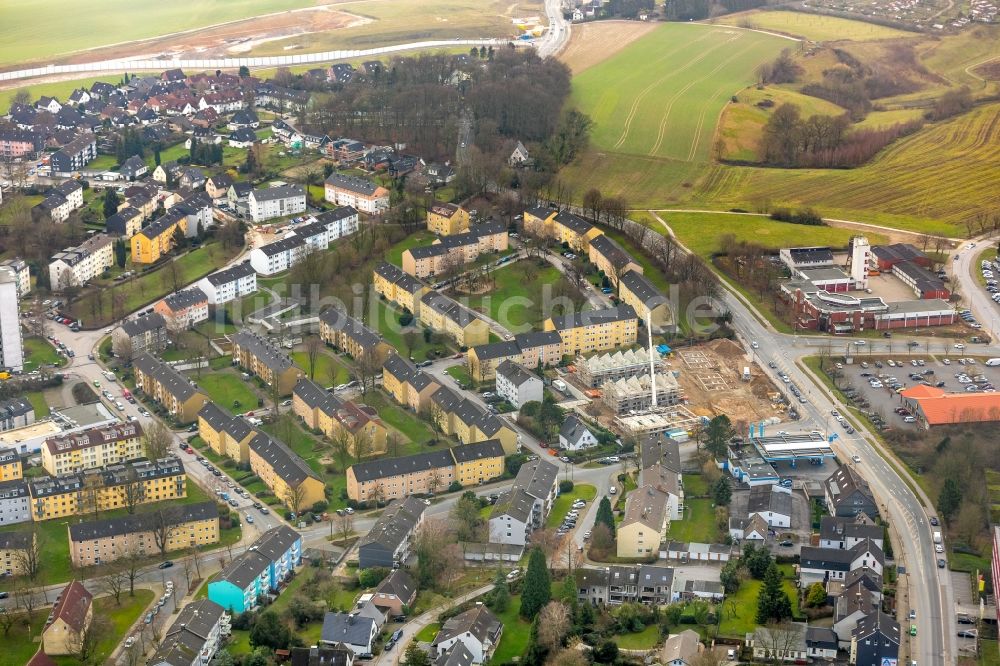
x=710, y=375
x=593, y=43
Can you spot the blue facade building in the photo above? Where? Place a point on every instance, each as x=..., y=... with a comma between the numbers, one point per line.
x=259, y=571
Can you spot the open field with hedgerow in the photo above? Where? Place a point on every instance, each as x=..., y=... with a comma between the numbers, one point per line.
x=661, y=95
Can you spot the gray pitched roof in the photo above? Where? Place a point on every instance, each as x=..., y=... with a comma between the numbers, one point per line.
x=612, y=251
x=231, y=274
x=263, y=350
x=222, y=421
x=490, y=448
x=286, y=463
x=766, y=498
x=16, y=540
x=398, y=584
x=386, y=467
x=181, y=300
x=456, y=655
x=352, y=184
x=279, y=192
x=514, y=503
x=644, y=289
x=573, y=428
x=351, y=327
x=478, y=621
x=144, y=521
x=395, y=524
x=537, y=478
x=140, y=325
x=347, y=628
x=175, y=383
x=592, y=317
x=515, y=373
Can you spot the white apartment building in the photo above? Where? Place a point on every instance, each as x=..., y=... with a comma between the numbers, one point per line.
x=229, y=284
x=278, y=256
x=516, y=385
x=19, y=267
x=359, y=193
x=79, y=265
x=328, y=227
x=11, y=351
x=271, y=202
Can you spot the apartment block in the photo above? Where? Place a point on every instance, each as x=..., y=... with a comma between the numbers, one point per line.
x=340, y=330
x=161, y=382
x=335, y=418
x=399, y=287
x=447, y=219
x=446, y=315
x=76, y=266
x=229, y=284
x=287, y=475
x=595, y=330
x=262, y=358
x=92, y=448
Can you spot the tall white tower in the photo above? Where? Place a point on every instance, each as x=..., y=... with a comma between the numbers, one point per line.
x=861, y=252
x=11, y=352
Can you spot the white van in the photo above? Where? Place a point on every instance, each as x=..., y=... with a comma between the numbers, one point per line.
x=993, y=362
x=560, y=385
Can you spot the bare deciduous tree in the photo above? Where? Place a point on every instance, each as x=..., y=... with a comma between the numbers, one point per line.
x=156, y=440
x=553, y=623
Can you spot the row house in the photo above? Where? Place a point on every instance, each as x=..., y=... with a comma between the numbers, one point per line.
x=343, y=332
x=286, y=474
x=398, y=287
x=173, y=391
x=595, y=330
x=615, y=585
x=358, y=193
x=396, y=478
x=468, y=421
x=454, y=251
x=224, y=433
x=441, y=313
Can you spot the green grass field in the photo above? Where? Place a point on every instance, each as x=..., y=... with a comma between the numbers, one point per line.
x=38, y=352
x=698, y=524
x=739, y=613
x=642, y=640
x=325, y=362
x=516, y=633
x=702, y=232
x=30, y=31
x=387, y=324
x=661, y=96
x=813, y=26
x=225, y=387
x=416, y=433
x=516, y=301
x=395, y=253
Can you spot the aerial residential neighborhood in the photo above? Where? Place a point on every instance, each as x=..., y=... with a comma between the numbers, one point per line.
x=559, y=334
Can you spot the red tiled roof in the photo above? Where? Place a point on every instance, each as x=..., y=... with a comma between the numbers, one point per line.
x=41, y=659
x=940, y=408
x=74, y=601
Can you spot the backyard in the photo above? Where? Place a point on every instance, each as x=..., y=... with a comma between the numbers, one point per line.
x=328, y=369
x=698, y=525
x=388, y=325
x=507, y=302
x=564, y=501
x=516, y=633
x=416, y=432
x=739, y=611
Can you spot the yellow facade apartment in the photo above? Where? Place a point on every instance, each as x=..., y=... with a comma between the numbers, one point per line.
x=346, y=333
x=447, y=316
x=563, y=227
x=611, y=258
x=261, y=358
x=114, y=487
x=287, y=475
x=398, y=287
x=649, y=303
x=453, y=252
x=10, y=465
x=407, y=384
x=528, y=349
x=387, y=479
x=14, y=547
x=224, y=433
x=447, y=219
x=167, y=386
x=146, y=533
x=320, y=410
x=92, y=448
x=159, y=238
x=595, y=330
x=468, y=422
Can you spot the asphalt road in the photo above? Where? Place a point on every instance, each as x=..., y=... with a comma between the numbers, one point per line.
x=558, y=33
x=965, y=268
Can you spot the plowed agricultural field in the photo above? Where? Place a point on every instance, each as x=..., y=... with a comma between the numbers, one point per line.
x=661, y=96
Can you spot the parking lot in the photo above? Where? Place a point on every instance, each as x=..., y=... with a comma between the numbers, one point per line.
x=873, y=385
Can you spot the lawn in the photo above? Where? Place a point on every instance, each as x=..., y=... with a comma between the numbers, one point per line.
x=414, y=430
x=226, y=388
x=739, y=611
x=702, y=232
x=150, y=286
x=643, y=640
x=240, y=640
x=311, y=449
x=121, y=619
x=388, y=325
x=427, y=634
x=516, y=633
x=695, y=485
x=460, y=373
x=37, y=400
x=61, y=90
x=661, y=95
x=564, y=502
x=814, y=26
x=519, y=295
x=698, y=525
x=38, y=352
x=324, y=362
x=395, y=253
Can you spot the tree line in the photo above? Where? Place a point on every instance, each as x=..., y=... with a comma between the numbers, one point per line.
x=821, y=141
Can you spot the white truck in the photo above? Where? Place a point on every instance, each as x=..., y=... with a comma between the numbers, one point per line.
x=937, y=536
